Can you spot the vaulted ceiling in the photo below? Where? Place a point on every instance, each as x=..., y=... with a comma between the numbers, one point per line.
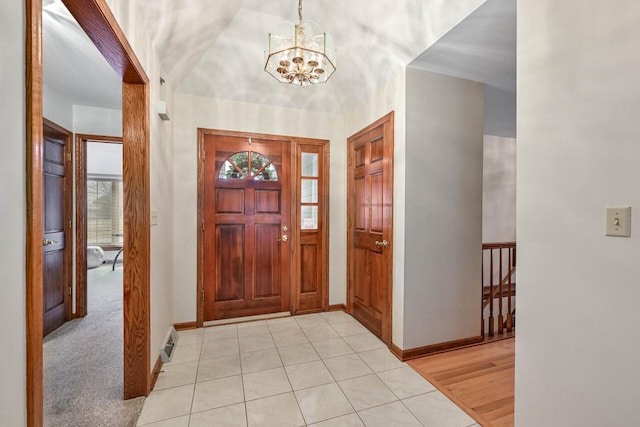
x=216, y=48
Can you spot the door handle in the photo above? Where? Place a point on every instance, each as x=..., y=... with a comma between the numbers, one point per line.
x=284, y=238
x=47, y=242
x=383, y=243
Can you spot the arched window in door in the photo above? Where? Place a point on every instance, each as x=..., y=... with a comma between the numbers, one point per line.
x=248, y=165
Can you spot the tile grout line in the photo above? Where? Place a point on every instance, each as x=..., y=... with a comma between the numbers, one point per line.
x=289, y=380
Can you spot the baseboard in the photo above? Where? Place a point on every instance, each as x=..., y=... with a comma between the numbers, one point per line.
x=155, y=373
x=185, y=325
x=337, y=307
x=414, y=353
x=308, y=311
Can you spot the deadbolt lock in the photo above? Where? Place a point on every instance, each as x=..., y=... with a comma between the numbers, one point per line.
x=285, y=228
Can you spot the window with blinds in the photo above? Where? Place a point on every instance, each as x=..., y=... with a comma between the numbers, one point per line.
x=104, y=211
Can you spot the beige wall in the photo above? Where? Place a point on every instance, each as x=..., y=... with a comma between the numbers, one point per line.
x=499, y=189
x=443, y=223
x=577, y=346
x=12, y=215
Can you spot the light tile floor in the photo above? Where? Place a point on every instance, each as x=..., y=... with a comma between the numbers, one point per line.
x=323, y=370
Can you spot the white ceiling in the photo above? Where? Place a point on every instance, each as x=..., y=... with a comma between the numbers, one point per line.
x=72, y=65
x=216, y=48
x=482, y=48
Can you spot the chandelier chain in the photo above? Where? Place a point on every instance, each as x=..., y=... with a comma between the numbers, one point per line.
x=300, y=10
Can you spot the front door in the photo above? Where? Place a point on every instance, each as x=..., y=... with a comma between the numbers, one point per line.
x=370, y=226
x=56, y=280
x=246, y=212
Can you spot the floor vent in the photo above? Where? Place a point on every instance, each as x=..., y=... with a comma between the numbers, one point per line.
x=166, y=351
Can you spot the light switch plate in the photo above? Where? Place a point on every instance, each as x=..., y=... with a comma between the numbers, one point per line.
x=154, y=217
x=619, y=221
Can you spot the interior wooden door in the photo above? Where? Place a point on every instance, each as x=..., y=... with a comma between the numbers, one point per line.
x=57, y=226
x=246, y=215
x=370, y=226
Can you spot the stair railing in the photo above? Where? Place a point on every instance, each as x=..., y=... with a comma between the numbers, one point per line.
x=501, y=261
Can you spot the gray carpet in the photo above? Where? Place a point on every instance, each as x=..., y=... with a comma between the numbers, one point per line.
x=83, y=362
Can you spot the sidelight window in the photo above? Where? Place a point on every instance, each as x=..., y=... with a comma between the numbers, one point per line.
x=309, y=185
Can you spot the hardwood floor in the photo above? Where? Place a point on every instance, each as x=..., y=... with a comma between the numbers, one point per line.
x=479, y=379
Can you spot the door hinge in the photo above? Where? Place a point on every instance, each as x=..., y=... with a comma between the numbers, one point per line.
x=68, y=157
x=202, y=294
x=69, y=290
x=202, y=224
x=69, y=223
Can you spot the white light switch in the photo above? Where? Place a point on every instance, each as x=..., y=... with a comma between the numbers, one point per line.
x=154, y=217
x=619, y=221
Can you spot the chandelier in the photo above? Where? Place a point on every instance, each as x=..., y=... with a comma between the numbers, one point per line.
x=299, y=54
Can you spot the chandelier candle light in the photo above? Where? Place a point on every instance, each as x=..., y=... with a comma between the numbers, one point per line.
x=300, y=54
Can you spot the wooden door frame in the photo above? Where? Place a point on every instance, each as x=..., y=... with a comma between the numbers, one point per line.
x=68, y=211
x=102, y=28
x=81, y=215
x=294, y=141
x=388, y=130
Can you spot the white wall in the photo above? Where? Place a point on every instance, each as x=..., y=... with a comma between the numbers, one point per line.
x=577, y=346
x=104, y=158
x=499, y=190
x=12, y=215
x=57, y=107
x=443, y=223
x=192, y=112
x=97, y=121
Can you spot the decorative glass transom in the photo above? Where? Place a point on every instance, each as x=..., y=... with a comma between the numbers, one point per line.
x=248, y=165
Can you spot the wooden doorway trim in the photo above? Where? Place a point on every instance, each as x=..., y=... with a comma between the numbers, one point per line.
x=387, y=122
x=102, y=28
x=295, y=143
x=81, y=216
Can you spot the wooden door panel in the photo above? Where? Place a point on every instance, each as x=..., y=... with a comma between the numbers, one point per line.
x=267, y=201
x=54, y=292
x=53, y=200
x=230, y=265
x=377, y=203
x=377, y=149
x=267, y=260
x=230, y=201
x=361, y=277
x=309, y=268
x=377, y=296
x=362, y=208
x=54, y=156
x=360, y=155
x=370, y=226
